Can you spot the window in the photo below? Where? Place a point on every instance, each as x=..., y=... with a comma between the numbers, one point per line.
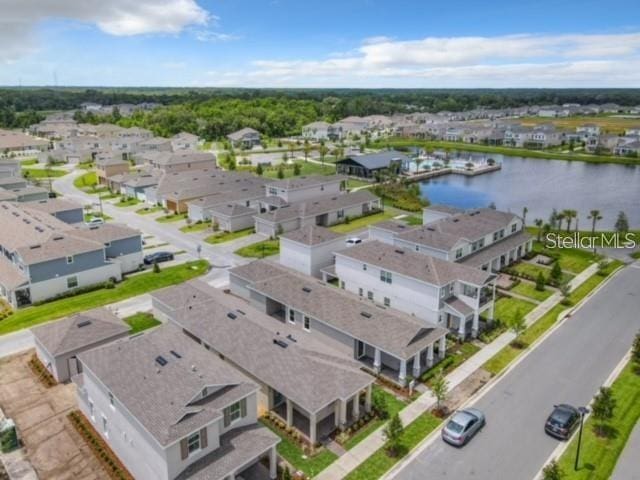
x=292, y=316
x=458, y=253
x=105, y=426
x=370, y=295
x=307, y=323
x=360, y=292
x=385, y=276
x=387, y=302
x=91, y=410
x=340, y=213
x=273, y=191
x=513, y=228
x=193, y=443
x=469, y=291
x=72, y=282
x=417, y=248
x=69, y=259
x=111, y=402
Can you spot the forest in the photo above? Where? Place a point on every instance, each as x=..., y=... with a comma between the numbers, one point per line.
x=213, y=113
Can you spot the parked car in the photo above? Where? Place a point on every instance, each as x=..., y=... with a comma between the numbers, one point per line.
x=353, y=241
x=158, y=257
x=562, y=422
x=463, y=425
x=95, y=221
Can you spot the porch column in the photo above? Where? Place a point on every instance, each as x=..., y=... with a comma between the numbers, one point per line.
x=376, y=360
x=442, y=348
x=402, y=375
x=475, y=326
x=336, y=414
x=273, y=463
x=270, y=398
x=312, y=428
x=430, y=356
x=356, y=406
x=367, y=399
x=289, y=413
x=493, y=303
x=461, y=327
x=416, y=365
x=343, y=413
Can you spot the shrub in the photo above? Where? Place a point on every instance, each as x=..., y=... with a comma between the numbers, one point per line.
x=379, y=404
x=156, y=268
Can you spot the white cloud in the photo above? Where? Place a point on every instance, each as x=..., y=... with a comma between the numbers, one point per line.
x=212, y=36
x=512, y=60
x=19, y=19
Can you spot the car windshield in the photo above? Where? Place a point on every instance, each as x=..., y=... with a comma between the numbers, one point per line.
x=560, y=418
x=454, y=427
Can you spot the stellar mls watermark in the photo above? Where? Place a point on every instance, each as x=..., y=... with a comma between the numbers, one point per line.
x=590, y=241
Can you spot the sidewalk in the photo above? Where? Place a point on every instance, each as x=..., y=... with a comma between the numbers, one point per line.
x=628, y=467
x=354, y=457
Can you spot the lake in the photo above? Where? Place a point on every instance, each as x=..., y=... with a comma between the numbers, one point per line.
x=541, y=185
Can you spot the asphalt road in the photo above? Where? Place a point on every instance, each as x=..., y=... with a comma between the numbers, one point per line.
x=568, y=367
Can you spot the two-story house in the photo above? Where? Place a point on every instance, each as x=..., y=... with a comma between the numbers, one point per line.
x=245, y=138
x=169, y=409
x=322, y=131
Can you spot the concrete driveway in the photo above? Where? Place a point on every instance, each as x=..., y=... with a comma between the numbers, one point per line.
x=54, y=448
x=569, y=366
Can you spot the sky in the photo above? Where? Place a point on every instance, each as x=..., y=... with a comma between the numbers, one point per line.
x=333, y=43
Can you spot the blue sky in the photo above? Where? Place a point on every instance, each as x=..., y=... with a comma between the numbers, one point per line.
x=348, y=43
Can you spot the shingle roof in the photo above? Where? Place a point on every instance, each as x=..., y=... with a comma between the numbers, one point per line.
x=238, y=135
x=426, y=268
x=373, y=161
x=161, y=397
x=10, y=276
x=109, y=232
x=232, y=209
x=494, y=250
x=312, y=235
x=301, y=375
x=390, y=330
x=79, y=331
x=294, y=183
x=53, y=205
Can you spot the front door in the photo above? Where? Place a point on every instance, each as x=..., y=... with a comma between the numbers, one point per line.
x=360, y=349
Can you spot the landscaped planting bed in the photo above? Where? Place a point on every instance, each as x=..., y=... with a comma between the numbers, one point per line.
x=41, y=372
x=222, y=237
x=261, y=249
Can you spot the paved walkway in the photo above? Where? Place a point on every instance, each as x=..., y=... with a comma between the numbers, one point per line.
x=628, y=466
x=354, y=457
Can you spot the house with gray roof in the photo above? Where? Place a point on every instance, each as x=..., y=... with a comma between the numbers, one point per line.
x=441, y=292
x=384, y=340
x=368, y=165
x=170, y=409
x=309, y=249
x=58, y=343
x=245, y=138
x=44, y=257
x=312, y=385
x=305, y=187
x=322, y=131
x=10, y=167
x=65, y=210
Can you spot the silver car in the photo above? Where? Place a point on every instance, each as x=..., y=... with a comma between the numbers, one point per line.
x=463, y=425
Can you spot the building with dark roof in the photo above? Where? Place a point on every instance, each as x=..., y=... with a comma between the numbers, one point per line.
x=368, y=165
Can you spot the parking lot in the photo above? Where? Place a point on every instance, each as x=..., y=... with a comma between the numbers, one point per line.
x=53, y=447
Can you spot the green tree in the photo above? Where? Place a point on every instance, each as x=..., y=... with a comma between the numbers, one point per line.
x=379, y=404
x=540, y=282
x=393, y=434
x=525, y=210
x=259, y=169
x=556, y=271
x=518, y=324
x=565, y=291
x=539, y=223
x=635, y=351
x=307, y=149
x=439, y=388
x=280, y=172
x=622, y=223
x=296, y=169
x=552, y=471
x=323, y=152
x=603, y=408
x=594, y=216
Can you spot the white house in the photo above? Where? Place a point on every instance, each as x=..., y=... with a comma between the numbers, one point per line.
x=309, y=249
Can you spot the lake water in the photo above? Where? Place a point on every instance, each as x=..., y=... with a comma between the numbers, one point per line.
x=541, y=185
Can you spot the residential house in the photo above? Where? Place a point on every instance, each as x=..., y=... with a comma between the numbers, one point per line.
x=108, y=166
x=179, y=162
x=10, y=168
x=185, y=141
x=64, y=210
x=296, y=189
x=245, y=138
x=170, y=409
x=310, y=249
x=322, y=131
x=59, y=343
x=311, y=385
x=16, y=144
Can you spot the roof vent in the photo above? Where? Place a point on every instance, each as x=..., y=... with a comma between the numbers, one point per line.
x=306, y=289
x=175, y=354
x=33, y=247
x=84, y=323
x=160, y=360
x=365, y=314
x=401, y=252
x=280, y=343
x=290, y=337
x=240, y=312
x=232, y=315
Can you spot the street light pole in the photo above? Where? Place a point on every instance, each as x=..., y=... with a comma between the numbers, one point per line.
x=583, y=411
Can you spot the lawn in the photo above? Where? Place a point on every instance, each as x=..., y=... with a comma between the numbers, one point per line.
x=529, y=290
x=457, y=354
x=394, y=405
x=89, y=216
x=88, y=179
x=571, y=259
x=141, y=321
x=609, y=124
x=598, y=455
x=532, y=271
x=127, y=202
x=222, y=237
x=354, y=183
x=310, y=465
x=262, y=249
x=131, y=287
x=43, y=172
x=30, y=161
x=196, y=227
x=413, y=219
x=362, y=222
x=172, y=217
x=635, y=255
x=306, y=168
x=505, y=308
x=380, y=462
x=148, y=210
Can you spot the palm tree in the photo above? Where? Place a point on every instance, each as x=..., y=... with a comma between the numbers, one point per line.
x=418, y=161
x=572, y=214
x=323, y=151
x=538, y=223
x=568, y=216
x=525, y=210
x=307, y=149
x=594, y=216
x=559, y=219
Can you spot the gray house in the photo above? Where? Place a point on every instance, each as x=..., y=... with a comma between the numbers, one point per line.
x=170, y=409
x=245, y=138
x=62, y=209
x=58, y=343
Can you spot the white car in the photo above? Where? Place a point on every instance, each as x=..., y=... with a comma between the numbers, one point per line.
x=353, y=241
x=95, y=221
